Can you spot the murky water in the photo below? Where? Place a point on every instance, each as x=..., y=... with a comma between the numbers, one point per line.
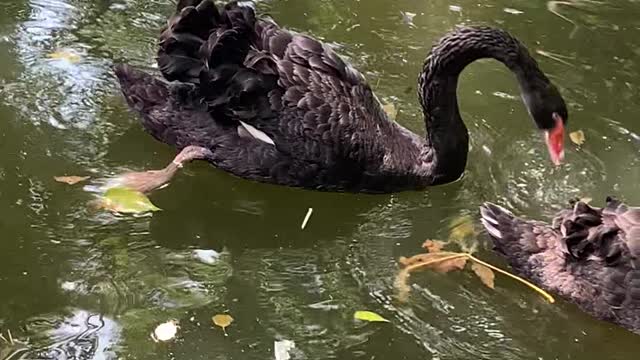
x=80, y=284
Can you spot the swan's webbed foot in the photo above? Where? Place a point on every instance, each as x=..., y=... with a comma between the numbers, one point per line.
x=148, y=181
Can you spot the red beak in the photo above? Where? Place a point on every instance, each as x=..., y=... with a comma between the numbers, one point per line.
x=555, y=140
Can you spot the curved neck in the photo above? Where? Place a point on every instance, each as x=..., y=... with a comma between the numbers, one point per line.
x=446, y=133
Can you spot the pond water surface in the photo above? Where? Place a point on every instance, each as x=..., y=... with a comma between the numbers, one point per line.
x=81, y=284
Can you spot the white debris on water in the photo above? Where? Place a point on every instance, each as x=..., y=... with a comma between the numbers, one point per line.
x=208, y=257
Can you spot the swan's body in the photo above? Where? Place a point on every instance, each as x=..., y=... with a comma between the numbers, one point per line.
x=279, y=107
x=590, y=256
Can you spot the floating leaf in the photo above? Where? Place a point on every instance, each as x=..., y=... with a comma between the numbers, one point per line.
x=65, y=55
x=577, y=137
x=71, y=180
x=222, y=320
x=485, y=274
x=442, y=262
x=165, y=331
x=124, y=200
x=368, y=316
x=433, y=246
x=461, y=227
x=391, y=111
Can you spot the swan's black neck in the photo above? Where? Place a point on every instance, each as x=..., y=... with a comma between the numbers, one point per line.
x=446, y=133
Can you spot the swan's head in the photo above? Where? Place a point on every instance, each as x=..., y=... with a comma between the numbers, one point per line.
x=549, y=111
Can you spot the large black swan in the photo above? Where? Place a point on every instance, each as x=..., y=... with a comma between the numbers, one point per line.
x=589, y=255
x=280, y=107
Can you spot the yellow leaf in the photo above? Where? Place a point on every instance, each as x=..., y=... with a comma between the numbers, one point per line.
x=433, y=246
x=577, y=137
x=71, y=180
x=391, y=111
x=222, y=320
x=368, y=316
x=485, y=274
x=65, y=55
x=125, y=200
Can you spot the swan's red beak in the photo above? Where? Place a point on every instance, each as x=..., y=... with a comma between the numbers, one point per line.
x=555, y=140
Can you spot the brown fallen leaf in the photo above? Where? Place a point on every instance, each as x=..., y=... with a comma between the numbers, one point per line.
x=442, y=262
x=485, y=274
x=445, y=261
x=71, y=180
x=421, y=258
x=433, y=246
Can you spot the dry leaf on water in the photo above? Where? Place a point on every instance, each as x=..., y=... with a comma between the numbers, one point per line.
x=485, y=274
x=577, y=137
x=442, y=262
x=222, y=320
x=446, y=261
x=433, y=246
x=71, y=180
x=65, y=55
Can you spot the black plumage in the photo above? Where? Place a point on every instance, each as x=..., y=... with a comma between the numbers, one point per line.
x=281, y=107
x=588, y=255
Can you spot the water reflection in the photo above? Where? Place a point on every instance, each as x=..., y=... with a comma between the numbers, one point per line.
x=78, y=334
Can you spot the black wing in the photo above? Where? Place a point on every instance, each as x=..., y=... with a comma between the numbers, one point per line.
x=294, y=89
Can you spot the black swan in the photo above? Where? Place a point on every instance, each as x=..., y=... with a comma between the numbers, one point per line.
x=280, y=107
x=588, y=255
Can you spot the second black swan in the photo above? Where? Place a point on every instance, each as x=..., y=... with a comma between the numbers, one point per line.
x=588, y=255
x=279, y=107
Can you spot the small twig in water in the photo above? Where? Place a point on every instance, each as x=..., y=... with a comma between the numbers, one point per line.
x=306, y=218
x=544, y=294
x=556, y=57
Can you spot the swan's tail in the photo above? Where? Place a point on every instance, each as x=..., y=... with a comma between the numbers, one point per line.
x=200, y=34
x=517, y=239
x=141, y=90
x=168, y=110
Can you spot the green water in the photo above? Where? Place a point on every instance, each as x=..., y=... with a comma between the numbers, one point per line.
x=81, y=284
